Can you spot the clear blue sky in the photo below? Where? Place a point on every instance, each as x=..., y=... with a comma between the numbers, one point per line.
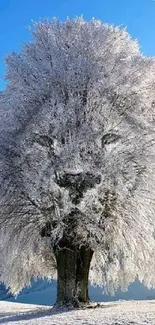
x=15, y=15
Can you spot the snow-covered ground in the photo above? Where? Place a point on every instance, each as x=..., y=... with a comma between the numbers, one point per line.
x=112, y=313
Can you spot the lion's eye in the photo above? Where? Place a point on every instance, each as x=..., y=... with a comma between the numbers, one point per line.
x=109, y=138
x=43, y=140
x=49, y=143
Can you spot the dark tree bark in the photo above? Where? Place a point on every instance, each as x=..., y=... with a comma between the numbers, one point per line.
x=73, y=270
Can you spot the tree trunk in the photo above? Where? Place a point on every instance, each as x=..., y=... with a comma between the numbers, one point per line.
x=73, y=270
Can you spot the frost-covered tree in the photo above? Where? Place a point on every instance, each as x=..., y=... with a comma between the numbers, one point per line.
x=77, y=155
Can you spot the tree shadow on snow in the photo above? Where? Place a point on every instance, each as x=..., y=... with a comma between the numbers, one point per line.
x=23, y=316
x=15, y=317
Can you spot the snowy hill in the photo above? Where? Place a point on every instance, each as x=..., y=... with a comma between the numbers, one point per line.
x=114, y=313
x=4, y=293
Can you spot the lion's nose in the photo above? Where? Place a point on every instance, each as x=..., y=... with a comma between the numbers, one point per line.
x=78, y=183
x=86, y=180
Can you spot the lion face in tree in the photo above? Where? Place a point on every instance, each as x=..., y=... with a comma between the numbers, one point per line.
x=82, y=168
x=77, y=154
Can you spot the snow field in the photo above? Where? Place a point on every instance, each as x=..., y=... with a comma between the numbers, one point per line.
x=113, y=313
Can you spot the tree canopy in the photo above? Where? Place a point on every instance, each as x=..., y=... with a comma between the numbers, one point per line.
x=77, y=155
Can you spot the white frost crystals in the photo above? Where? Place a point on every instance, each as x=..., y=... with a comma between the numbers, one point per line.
x=77, y=154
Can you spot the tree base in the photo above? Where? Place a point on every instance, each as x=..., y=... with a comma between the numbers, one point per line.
x=63, y=305
x=73, y=270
